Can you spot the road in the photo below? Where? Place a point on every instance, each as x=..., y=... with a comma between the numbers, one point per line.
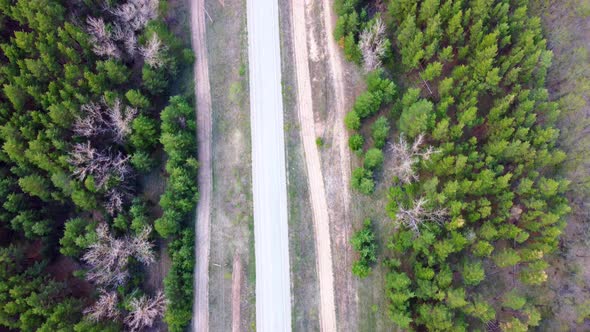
x=321, y=220
x=204, y=127
x=273, y=296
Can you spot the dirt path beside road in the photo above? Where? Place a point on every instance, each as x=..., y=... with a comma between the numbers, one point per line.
x=204, y=125
x=346, y=297
x=314, y=171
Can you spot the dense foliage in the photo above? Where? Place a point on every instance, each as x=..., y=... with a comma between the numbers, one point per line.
x=363, y=241
x=82, y=85
x=178, y=201
x=483, y=197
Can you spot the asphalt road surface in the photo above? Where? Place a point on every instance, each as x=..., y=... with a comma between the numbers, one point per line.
x=273, y=296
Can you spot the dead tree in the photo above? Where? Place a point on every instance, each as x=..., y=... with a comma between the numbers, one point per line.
x=114, y=120
x=406, y=156
x=123, y=34
x=152, y=52
x=97, y=29
x=102, y=165
x=136, y=13
x=105, y=308
x=142, y=248
x=100, y=36
x=373, y=45
x=120, y=120
x=419, y=214
x=144, y=311
x=92, y=122
x=108, y=256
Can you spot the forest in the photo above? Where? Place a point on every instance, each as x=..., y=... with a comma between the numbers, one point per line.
x=90, y=119
x=456, y=121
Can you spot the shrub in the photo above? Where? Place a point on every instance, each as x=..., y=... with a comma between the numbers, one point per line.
x=355, y=142
x=373, y=159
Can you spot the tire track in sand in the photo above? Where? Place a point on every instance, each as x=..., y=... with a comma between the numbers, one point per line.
x=321, y=221
x=204, y=127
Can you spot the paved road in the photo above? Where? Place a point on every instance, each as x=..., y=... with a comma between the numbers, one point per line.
x=204, y=125
x=273, y=296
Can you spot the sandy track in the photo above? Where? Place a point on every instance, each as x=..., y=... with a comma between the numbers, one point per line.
x=236, y=292
x=346, y=299
x=269, y=179
x=204, y=127
x=337, y=72
x=314, y=171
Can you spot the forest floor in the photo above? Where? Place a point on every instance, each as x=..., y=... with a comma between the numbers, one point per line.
x=204, y=126
x=232, y=235
x=567, y=30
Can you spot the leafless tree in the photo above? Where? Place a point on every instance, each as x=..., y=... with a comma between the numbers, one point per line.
x=115, y=198
x=108, y=256
x=406, y=156
x=102, y=165
x=144, y=311
x=104, y=308
x=115, y=120
x=123, y=34
x=97, y=29
x=120, y=120
x=92, y=121
x=418, y=214
x=142, y=248
x=152, y=52
x=136, y=13
x=100, y=36
x=373, y=45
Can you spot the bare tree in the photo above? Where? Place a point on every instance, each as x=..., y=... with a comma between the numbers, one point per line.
x=418, y=214
x=97, y=29
x=124, y=34
x=136, y=13
x=120, y=120
x=108, y=256
x=144, y=311
x=100, y=36
x=116, y=120
x=104, y=308
x=406, y=156
x=102, y=165
x=373, y=45
x=108, y=259
x=92, y=121
x=143, y=249
x=152, y=52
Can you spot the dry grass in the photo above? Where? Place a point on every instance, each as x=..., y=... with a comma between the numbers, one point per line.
x=305, y=286
x=231, y=220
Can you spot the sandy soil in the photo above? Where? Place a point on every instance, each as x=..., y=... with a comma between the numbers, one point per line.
x=236, y=293
x=314, y=172
x=204, y=125
x=339, y=182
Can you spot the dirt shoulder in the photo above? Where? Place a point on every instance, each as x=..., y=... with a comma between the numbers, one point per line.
x=319, y=205
x=204, y=125
x=231, y=196
x=333, y=84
